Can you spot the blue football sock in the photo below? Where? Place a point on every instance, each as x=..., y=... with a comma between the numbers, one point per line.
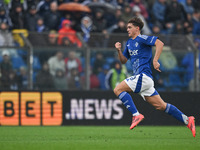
x=128, y=102
x=176, y=113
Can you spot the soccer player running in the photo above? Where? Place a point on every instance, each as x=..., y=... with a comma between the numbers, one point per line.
x=139, y=50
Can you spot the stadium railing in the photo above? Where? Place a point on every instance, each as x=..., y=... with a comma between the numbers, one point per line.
x=33, y=49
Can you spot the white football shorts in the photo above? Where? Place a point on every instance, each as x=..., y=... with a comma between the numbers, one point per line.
x=141, y=84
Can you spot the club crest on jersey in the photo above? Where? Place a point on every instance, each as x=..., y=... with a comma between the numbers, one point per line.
x=133, y=52
x=136, y=44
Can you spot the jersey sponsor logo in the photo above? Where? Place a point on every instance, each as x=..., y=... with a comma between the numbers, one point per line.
x=133, y=52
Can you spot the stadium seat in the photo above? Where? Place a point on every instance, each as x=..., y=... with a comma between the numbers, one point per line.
x=110, y=60
x=17, y=62
x=36, y=63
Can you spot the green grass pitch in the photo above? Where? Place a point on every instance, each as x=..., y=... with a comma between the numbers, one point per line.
x=99, y=138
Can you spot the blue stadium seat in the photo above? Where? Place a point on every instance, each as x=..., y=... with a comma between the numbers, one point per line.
x=110, y=60
x=17, y=62
x=36, y=63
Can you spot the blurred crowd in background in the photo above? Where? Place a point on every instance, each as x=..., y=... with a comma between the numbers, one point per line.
x=160, y=16
x=64, y=71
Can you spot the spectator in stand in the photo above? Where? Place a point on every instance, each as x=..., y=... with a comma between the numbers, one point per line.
x=94, y=81
x=76, y=20
x=98, y=63
x=43, y=7
x=168, y=60
x=158, y=12
x=137, y=12
x=4, y=17
x=52, y=17
x=102, y=77
x=196, y=22
x=56, y=62
x=113, y=19
x=99, y=21
x=157, y=29
x=13, y=3
x=72, y=62
x=178, y=28
x=67, y=43
x=120, y=28
x=174, y=12
x=40, y=27
x=188, y=6
x=52, y=38
x=6, y=35
x=14, y=82
x=30, y=3
x=86, y=27
x=23, y=76
x=121, y=3
x=115, y=75
x=127, y=13
x=188, y=25
x=67, y=31
x=74, y=80
x=5, y=68
x=196, y=17
x=17, y=17
x=60, y=80
x=31, y=18
x=65, y=16
x=142, y=7
x=44, y=79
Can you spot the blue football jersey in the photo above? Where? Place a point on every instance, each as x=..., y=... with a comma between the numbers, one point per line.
x=139, y=51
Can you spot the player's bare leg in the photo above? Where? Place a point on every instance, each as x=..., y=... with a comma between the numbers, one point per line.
x=159, y=104
x=121, y=91
x=121, y=87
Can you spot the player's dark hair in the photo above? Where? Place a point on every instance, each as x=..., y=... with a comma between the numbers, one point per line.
x=136, y=21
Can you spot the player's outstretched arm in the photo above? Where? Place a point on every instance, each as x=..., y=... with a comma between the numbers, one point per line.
x=122, y=58
x=159, y=47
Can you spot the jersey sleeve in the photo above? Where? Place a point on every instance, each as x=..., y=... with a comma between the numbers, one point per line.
x=149, y=40
x=125, y=52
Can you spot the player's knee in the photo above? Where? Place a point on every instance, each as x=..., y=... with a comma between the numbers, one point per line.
x=160, y=107
x=117, y=91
